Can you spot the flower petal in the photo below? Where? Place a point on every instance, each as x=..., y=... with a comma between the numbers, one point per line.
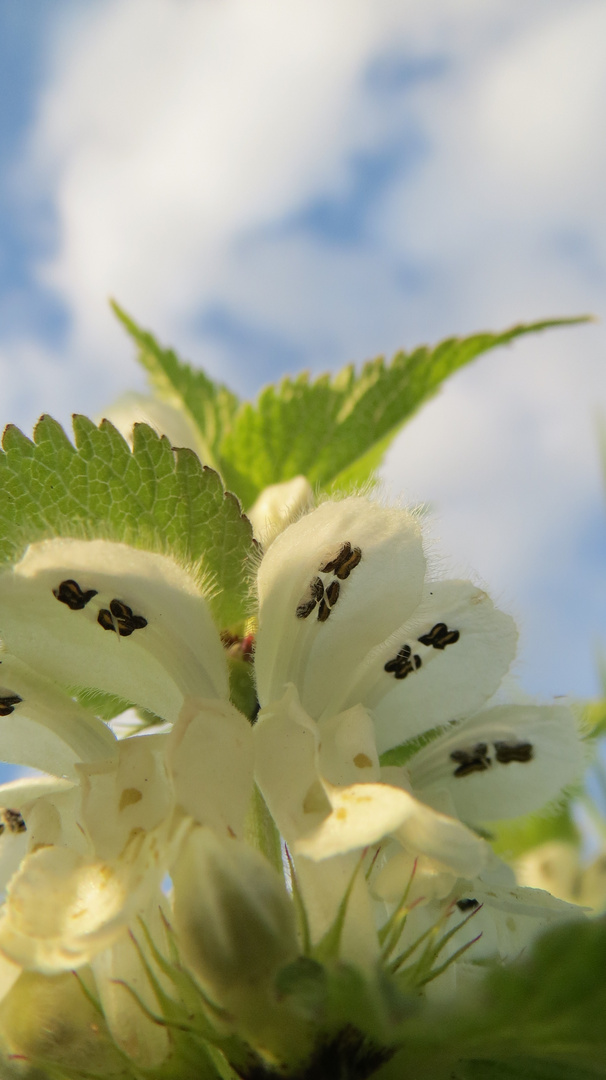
x=401, y=872
x=57, y=903
x=210, y=758
x=443, y=664
x=510, y=918
x=277, y=506
x=42, y=727
x=365, y=813
x=111, y=617
x=331, y=587
x=347, y=753
x=504, y=762
x=286, y=741
x=126, y=795
x=322, y=888
x=120, y=966
x=165, y=419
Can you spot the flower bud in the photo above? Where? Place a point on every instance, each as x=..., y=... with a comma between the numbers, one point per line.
x=233, y=915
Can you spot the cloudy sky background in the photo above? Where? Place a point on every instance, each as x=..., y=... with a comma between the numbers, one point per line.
x=290, y=184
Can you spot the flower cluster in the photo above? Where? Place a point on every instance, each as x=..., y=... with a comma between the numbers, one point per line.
x=378, y=754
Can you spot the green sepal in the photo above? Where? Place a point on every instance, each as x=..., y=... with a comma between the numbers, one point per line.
x=542, y=1017
x=261, y=831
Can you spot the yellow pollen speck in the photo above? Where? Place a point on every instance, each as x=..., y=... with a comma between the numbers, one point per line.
x=341, y=813
x=362, y=761
x=129, y=796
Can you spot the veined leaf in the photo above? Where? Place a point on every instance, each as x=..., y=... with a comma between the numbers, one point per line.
x=334, y=429
x=210, y=405
x=154, y=497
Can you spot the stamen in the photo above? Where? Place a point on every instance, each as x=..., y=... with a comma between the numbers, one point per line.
x=470, y=761
x=127, y=622
x=8, y=702
x=323, y=611
x=13, y=820
x=507, y=752
x=120, y=619
x=332, y=593
x=70, y=593
x=439, y=636
x=342, y=562
x=403, y=663
x=313, y=595
x=468, y=903
x=104, y=618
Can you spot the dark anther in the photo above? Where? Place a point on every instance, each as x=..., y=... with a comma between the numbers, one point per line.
x=127, y=622
x=104, y=618
x=70, y=593
x=470, y=761
x=323, y=611
x=313, y=596
x=120, y=619
x=14, y=821
x=342, y=564
x=506, y=752
x=8, y=702
x=468, y=903
x=403, y=663
x=439, y=636
x=402, y=657
x=332, y=593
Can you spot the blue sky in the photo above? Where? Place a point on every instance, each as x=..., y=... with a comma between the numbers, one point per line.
x=278, y=186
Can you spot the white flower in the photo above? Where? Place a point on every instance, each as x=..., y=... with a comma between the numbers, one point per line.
x=557, y=866
x=324, y=786
x=94, y=855
x=357, y=654
x=500, y=918
x=277, y=506
x=166, y=419
x=107, y=617
x=346, y=615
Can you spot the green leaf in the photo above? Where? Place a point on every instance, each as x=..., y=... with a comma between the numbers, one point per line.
x=334, y=430
x=154, y=497
x=210, y=405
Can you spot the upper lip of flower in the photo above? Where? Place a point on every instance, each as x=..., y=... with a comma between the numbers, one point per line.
x=62, y=598
x=346, y=615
